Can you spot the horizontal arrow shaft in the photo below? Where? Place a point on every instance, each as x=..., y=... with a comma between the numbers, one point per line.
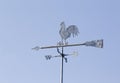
x=61, y=46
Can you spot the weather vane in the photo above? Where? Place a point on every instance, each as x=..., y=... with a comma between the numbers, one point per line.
x=66, y=33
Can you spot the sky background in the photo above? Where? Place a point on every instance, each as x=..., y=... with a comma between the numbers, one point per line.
x=25, y=24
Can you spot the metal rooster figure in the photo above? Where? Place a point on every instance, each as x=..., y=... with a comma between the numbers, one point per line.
x=66, y=33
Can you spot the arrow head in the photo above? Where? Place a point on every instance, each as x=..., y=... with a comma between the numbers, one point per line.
x=36, y=48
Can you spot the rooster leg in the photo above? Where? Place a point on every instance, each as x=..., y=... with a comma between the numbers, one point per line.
x=61, y=42
x=66, y=43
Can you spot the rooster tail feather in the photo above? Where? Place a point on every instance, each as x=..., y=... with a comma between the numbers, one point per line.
x=72, y=29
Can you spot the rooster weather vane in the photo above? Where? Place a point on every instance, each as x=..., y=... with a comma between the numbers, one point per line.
x=66, y=33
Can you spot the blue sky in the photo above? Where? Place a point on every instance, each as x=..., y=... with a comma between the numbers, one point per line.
x=25, y=24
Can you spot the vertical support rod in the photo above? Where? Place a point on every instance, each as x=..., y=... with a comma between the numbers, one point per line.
x=62, y=66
